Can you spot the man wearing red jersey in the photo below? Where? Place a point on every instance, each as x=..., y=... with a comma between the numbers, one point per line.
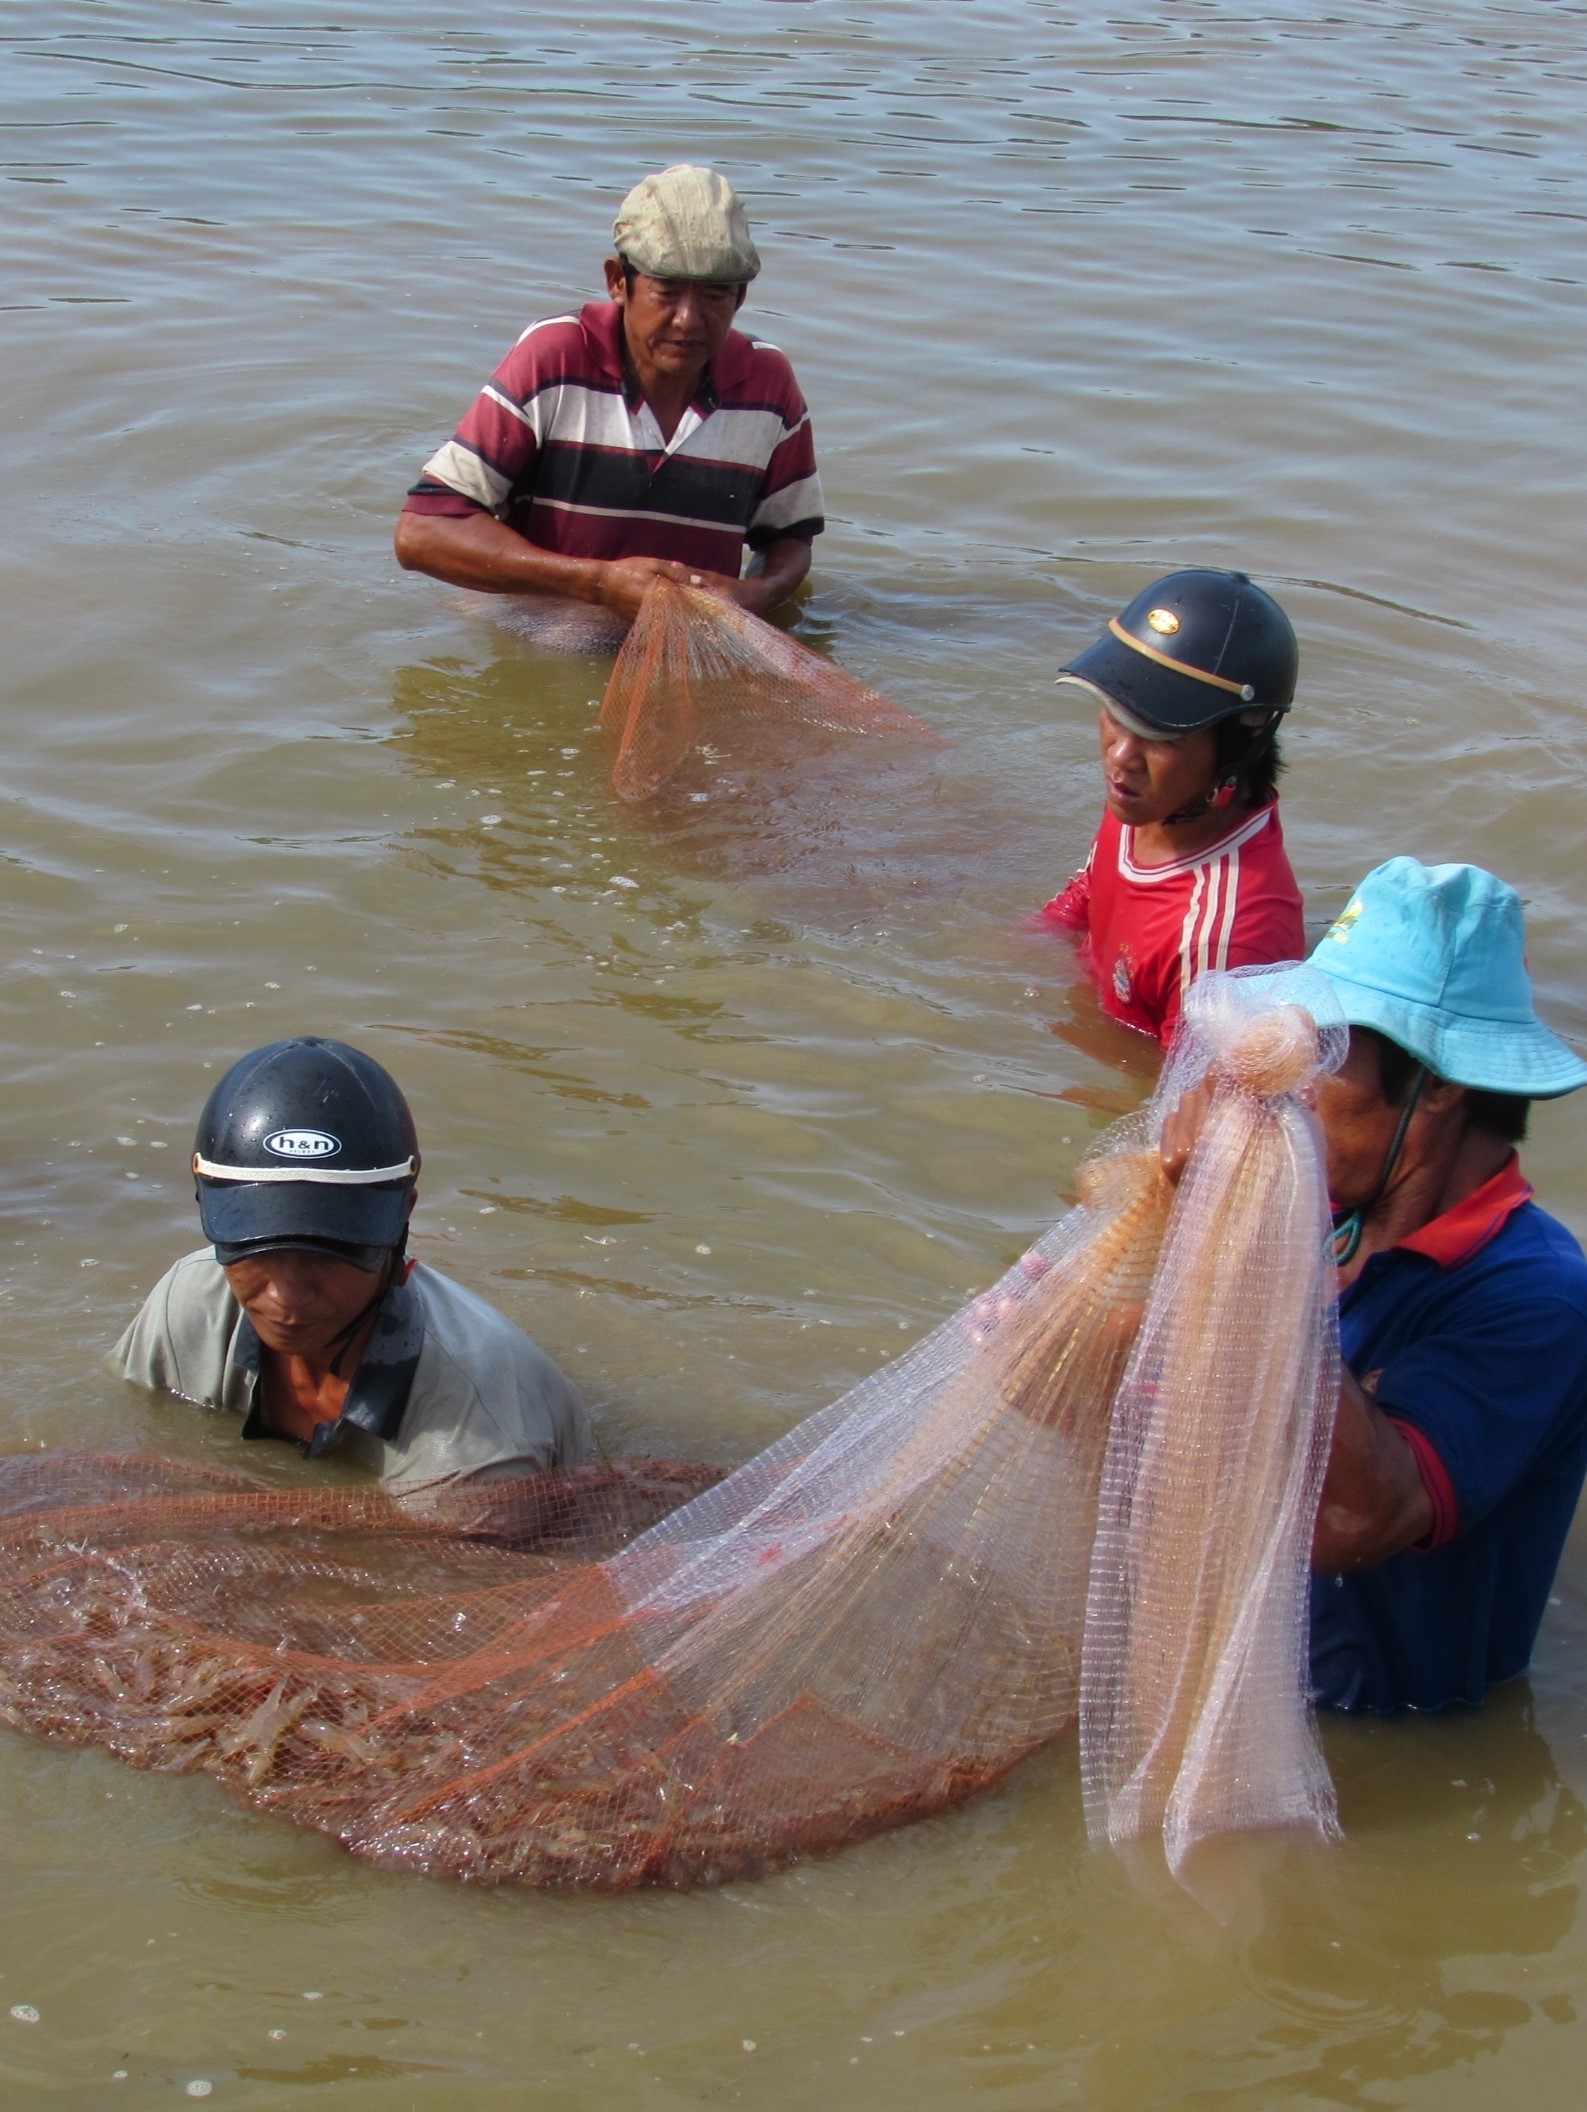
x=1188, y=870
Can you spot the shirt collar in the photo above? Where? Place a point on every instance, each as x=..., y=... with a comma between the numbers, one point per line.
x=1452, y=1240
x=1240, y=835
x=378, y=1396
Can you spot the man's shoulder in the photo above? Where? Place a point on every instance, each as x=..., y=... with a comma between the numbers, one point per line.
x=1261, y=834
x=179, y=1339
x=193, y=1287
x=750, y=368
x=1529, y=1280
x=1535, y=1247
x=764, y=356
x=1253, y=847
x=451, y=1309
x=1264, y=864
x=485, y=1394
x=1103, y=862
x=474, y=1336
x=569, y=347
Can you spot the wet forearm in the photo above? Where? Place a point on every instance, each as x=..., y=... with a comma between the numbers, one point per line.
x=478, y=551
x=783, y=570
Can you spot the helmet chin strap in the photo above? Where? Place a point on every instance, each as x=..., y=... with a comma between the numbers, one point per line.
x=1224, y=789
x=348, y=1335
x=1350, y=1224
x=1209, y=802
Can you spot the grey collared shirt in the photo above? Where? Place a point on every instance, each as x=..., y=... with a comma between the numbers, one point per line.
x=446, y=1387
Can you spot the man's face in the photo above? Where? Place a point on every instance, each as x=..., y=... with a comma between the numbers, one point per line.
x=300, y=1301
x=1358, y=1126
x=674, y=327
x=1146, y=781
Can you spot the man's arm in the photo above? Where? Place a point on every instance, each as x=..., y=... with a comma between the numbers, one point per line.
x=476, y=550
x=1070, y=911
x=1374, y=1502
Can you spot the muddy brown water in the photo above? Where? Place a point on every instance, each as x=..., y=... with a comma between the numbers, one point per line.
x=728, y=1100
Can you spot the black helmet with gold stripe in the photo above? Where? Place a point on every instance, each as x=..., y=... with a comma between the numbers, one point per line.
x=1195, y=648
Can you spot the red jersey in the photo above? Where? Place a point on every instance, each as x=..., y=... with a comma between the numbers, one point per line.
x=1150, y=930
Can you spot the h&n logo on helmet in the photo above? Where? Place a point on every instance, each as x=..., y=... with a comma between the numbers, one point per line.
x=302, y=1144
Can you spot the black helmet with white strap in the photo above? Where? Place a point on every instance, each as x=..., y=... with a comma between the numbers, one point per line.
x=306, y=1143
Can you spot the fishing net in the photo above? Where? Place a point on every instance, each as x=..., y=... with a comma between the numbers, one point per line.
x=1193, y=1713
x=585, y=1679
x=693, y=661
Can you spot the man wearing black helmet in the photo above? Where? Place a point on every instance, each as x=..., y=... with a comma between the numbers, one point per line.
x=307, y=1319
x=1188, y=870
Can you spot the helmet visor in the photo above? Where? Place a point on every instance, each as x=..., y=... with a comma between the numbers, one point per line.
x=1141, y=728
x=302, y=1213
x=370, y=1259
x=1152, y=699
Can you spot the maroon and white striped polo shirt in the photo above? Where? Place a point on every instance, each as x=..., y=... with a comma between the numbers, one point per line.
x=559, y=447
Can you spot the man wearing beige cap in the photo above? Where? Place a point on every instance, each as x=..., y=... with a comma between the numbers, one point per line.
x=642, y=437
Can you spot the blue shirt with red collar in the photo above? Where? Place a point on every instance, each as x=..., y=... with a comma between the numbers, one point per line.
x=1471, y=1335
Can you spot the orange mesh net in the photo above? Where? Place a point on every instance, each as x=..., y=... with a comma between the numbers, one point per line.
x=638, y=1673
x=693, y=661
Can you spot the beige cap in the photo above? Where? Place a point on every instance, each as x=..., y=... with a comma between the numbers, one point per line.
x=686, y=223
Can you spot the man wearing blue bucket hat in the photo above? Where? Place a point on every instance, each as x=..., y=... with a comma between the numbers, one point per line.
x=1461, y=1439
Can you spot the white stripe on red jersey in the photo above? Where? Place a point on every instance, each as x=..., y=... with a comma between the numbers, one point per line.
x=1150, y=930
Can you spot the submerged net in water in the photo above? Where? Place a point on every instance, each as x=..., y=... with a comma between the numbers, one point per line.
x=693, y=662
x=877, y=1616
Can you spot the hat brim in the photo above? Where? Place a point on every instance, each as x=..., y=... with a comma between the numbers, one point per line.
x=1486, y=1055
x=1166, y=703
x=704, y=269
x=292, y=1213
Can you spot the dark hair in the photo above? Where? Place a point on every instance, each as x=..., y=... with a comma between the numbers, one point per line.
x=1251, y=755
x=1500, y=1114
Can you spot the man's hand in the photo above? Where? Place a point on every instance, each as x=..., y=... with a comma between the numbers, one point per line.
x=743, y=591
x=621, y=583
x=1182, y=1126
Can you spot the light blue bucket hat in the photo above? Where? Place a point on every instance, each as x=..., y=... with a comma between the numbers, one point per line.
x=1434, y=957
